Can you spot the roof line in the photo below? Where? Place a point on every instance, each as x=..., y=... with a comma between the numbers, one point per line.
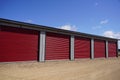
x=47, y=28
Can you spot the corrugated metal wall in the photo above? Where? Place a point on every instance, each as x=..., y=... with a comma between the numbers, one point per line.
x=82, y=47
x=17, y=44
x=57, y=46
x=112, y=49
x=99, y=48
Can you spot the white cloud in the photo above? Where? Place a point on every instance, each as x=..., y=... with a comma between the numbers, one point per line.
x=109, y=34
x=69, y=27
x=104, y=21
x=96, y=4
x=112, y=34
x=100, y=25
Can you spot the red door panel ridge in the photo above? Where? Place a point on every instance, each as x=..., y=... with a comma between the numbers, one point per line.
x=99, y=48
x=112, y=49
x=57, y=46
x=82, y=47
x=17, y=44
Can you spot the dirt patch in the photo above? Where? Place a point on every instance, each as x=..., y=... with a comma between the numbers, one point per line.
x=82, y=69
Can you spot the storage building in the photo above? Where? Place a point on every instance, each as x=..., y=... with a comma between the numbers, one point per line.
x=20, y=41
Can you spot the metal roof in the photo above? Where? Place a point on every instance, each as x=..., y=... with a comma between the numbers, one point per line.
x=12, y=23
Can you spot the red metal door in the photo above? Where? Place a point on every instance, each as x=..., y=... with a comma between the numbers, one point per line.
x=112, y=49
x=57, y=46
x=18, y=44
x=99, y=48
x=82, y=47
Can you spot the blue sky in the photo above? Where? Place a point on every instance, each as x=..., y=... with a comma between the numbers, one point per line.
x=99, y=17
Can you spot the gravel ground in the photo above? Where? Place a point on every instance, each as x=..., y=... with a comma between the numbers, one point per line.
x=82, y=69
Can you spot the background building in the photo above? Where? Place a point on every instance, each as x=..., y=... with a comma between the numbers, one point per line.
x=119, y=52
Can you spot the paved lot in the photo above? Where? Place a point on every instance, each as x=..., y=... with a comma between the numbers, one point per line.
x=82, y=69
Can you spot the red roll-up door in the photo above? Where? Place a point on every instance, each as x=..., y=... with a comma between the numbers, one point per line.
x=57, y=46
x=82, y=47
x=17, y=44
x=99, y=48
x=112, y=49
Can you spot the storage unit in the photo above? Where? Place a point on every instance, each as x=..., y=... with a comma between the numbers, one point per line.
x=82, y=47
x=99, y=48
x=17, y=44
x=57, y=46
x=112, y=49
x=20, y=41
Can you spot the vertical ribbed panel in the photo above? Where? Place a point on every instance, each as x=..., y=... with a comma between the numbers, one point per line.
x=99, y=48
x=82, y=47
x=57, y=46
x=18, y=44
x=112, y=49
